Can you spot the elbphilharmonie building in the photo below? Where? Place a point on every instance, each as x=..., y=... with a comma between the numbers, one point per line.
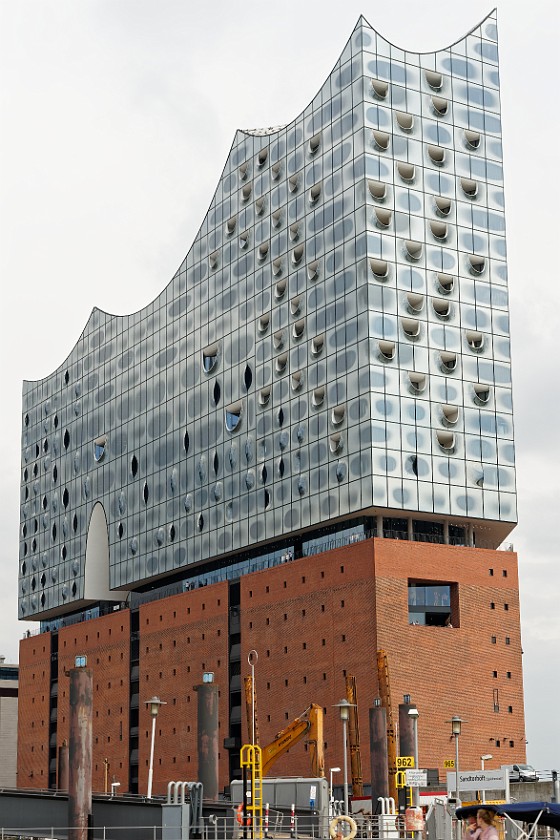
x=330, y=365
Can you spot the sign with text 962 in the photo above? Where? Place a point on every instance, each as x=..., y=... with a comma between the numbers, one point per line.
x=405, y=762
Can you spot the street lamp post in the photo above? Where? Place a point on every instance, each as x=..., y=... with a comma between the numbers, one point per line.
x=252, y=659
x=153, y=705
x=331, y=795
x=484, y=758
x=414, y=714
x=344, y=708
x=456, y=723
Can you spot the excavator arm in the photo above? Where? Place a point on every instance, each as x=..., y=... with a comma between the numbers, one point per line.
x=309, y=723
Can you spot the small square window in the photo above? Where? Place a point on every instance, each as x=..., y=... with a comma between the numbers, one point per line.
x=493, y=640
x=504, y=572
x=491, y=572
x=492, y=605
x=506, y=607
x=508, y=640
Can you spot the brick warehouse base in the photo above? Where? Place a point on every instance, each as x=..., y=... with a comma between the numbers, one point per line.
x=312, y=621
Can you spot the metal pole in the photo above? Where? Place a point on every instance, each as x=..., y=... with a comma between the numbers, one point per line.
x=345, y=765
x=457, y=765
x=484, y=791
x=415, y=790
x=151, y=770
x=252, y=704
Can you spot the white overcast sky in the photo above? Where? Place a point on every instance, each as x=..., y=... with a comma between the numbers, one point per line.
x=116, y=119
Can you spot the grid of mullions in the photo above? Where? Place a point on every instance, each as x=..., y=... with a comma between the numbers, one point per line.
x=324, y=427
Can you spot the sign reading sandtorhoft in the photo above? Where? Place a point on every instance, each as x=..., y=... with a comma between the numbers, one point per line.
x=478, y=780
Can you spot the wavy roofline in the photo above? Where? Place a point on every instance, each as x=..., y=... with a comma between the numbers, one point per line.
x=256, y=132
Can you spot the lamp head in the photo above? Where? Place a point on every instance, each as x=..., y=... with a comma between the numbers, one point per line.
x=414, y=713
x=335, y=769
x=344, y=708
x=456, y=722
x=153, y=705
x=486, y=757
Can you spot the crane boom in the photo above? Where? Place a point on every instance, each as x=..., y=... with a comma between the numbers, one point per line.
x=309, y=723
x=385, y=694
x=354, y=737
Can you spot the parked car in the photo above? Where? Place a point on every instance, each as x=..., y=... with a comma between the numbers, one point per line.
x=523, y=773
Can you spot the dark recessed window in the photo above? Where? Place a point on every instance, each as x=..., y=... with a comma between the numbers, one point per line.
x=145, y=493
x=66, y=439
x=99, y=447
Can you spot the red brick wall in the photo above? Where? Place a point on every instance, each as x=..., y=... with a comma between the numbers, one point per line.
x=311, y=621
x=180, y=638
x=33, y=712
x=450, y=671
x=106, y=643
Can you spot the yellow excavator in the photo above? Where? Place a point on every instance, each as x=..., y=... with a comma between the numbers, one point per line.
x=308, y=726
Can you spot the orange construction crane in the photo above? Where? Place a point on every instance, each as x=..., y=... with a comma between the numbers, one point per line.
x=354, y=737
x=308, y=725
x=248, y=685
x=385, y=694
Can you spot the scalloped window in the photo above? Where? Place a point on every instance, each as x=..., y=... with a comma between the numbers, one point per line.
x=294, y=231
x=442, y=205
x=379, y=88
x=210, y=356
x=445, y=283
x=417, y=381
x=262, y=157
x=277, y=218
x=442, y=308
x=446, y=440
x=475, y=339
x=477, y=264
x=99, y=448
x=295, y=305
x=281, y=363
x=379, y=268
x=383, y=217
x=260, y=205
x=413, y=249
x=377, y=190
x=315, y=193
x=472, y=138
x=405, y=170
x=231, y=225
x=314, y=143
x=214, y=260
x=404, y=120
x=440, y=105
x=246, y=192
x=439, y=229
x=338, y=415
x=244, y=240
x=263, y=251
x=336, y=443
x=381, y=139
x=264, y=323
x=387, y=350
x=280, y=289
x=244, y=171
x=264, y=395
x=434, y=79
x=277, y=268
x=299, y=328
x=469, y=187
x=448, y=361
x=233, y=415
x=415, y=302
x=297, y=254
x=276, y=170
x=436, y=154
x=411, y=327
x=313, y=270
x=450, y=414
x=297, y=380
x=481, y=393
x=293, y=182
x=318, y=397
x=279, y=339
x=317, y=345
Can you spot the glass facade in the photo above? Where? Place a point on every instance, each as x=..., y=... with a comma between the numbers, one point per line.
x=334, y=345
